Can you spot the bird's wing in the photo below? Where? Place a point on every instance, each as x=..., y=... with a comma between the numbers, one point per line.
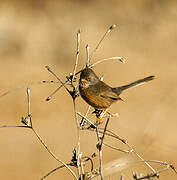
x=109, y=94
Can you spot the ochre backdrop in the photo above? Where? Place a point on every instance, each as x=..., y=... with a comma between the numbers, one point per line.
x=34, y=34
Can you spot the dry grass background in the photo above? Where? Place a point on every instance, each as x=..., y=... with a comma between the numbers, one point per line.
x=38, y=33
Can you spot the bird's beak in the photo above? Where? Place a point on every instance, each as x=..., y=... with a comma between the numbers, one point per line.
x=83, y=81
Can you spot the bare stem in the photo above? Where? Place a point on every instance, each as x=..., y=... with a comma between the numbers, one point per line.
x=86, y=113
x=118, y=149
x=124, y=141
x=52, y=171
x=100, y=154
x=15, y=126
x=40, y=139
x=103, y=37
x=78, y=141
x=90, y=122
x=77, y=54
x=104, y=132
x=28, y=85
x=107, y=59
x=53, y=155
x=51, y=95
x=88, y=55
x=153, y=170
x=49, y=69
x=132, y=150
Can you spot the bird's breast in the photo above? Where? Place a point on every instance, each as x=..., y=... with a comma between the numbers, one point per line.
x=92, y=96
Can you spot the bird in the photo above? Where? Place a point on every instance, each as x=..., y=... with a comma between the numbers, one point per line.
x=100, y=95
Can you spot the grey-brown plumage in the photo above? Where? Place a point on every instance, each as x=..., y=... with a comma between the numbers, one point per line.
x=100, y=95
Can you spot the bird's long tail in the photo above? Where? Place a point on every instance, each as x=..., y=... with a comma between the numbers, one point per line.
x=133, y=84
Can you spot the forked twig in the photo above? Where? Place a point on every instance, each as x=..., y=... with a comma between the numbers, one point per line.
x=132, y=150
x=125, y=142
x=85, y=159
x=42, y=142
x=76, y=73
x=28, y=122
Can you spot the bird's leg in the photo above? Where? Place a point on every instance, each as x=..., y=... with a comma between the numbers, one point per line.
x=101, y=115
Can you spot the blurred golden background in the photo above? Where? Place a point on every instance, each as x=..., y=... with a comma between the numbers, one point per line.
x=38, y=33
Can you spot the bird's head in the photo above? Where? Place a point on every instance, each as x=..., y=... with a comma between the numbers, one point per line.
x=88, y=77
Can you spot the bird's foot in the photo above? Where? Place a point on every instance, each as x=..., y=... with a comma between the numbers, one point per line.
x=100, y=115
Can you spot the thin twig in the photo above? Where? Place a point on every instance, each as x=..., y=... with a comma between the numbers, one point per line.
x=49, y=69
x=103, y=37
x=88, y=55
x=88, y=159
x=40, y=139
x=78, y=140
x=51, y=95
x=52, y=154
x=29, y=108
x=153, y=170
x=132, y=150
x=115, y=148
x=90, y=122
x=162, y=163
x=74, y=95
x=114, y=135
x=77, y=55
x=90, y=66
x=99, y=146
x=28, y=100
x=28, y=85
x=43, y=143
x=107, y=59
x=104, y=132
x=53, y=170
x=121, y=177
x=86, y=113
x=69, y=164
x=100, y=154
x=15, y=126
x=125, y=142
